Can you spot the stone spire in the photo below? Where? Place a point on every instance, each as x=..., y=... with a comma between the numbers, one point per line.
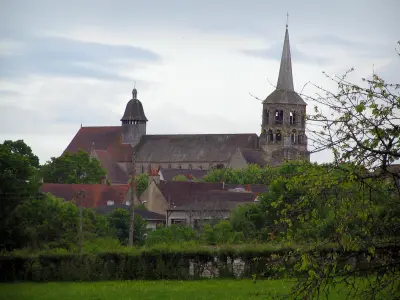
x=285, y=79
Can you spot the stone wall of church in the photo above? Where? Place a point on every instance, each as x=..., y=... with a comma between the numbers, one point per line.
x=145, y=167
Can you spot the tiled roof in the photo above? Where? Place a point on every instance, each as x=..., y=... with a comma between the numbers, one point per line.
x=102, y=137
x=169, y=174
x=145, y=214
x=115, y=173
x=96, y=194
x=193, y=147
x=180, y=193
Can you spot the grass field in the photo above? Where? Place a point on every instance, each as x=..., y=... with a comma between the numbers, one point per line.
x=146, y=290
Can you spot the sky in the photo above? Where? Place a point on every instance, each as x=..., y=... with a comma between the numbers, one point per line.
x=195, y=63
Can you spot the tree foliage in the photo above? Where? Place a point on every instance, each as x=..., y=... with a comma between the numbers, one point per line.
x=119, y=222
x=76, y=168
x=18, y=181
x=253, y=174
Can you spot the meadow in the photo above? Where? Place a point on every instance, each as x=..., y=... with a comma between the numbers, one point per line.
x=152, y=290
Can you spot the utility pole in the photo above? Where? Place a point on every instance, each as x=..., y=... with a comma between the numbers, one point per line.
x=79, y=195
x=133, y=195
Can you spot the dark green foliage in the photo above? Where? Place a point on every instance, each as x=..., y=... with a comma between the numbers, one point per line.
x=73, y=168
x=119, y=222
x=163, y=262
x=18, y=181
x=173, y=234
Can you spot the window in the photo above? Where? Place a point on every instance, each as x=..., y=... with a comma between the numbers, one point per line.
x=190, y=167
x=292, y=118
x=266, y=116
x=278, y=136
x=110, y=202
x=293, y=137
x=169, y=166
x=270, y=136
x=278, y=116
x=141, y=169
x=180, y=166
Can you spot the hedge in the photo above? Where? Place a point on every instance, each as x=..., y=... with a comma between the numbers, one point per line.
x=152, y=264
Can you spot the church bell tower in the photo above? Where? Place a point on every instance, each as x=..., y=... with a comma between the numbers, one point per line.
x=133, y=121
x=283, y=126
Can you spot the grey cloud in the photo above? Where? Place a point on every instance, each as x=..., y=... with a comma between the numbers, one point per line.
x=62, y=56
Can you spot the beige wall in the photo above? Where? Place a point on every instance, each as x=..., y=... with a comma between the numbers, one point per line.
x=154, y=200
x=237, y=161
x=175, y=165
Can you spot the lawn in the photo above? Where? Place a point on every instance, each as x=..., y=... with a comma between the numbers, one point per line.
x=146, y=290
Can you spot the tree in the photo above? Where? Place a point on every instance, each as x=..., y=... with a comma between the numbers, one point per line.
x=353, y=206
x=119, y=223
x=76, y=168
x=18, y=181
x=142, y=182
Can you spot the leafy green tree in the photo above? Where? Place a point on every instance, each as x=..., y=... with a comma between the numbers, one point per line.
x=76, y=168
x=142, y=182
x=253, y=174
x=50, y=222
x=119, y=222
x=174, y=234
x=352, y=206
x=18, y=181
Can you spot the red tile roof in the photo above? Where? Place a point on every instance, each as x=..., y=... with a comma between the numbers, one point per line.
x=115, y=173
x=102, y=137
x=96, y=194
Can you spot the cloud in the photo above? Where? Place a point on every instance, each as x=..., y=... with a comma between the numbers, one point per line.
x=67, y=57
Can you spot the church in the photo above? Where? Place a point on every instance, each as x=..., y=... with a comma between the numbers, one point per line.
x=282, y=137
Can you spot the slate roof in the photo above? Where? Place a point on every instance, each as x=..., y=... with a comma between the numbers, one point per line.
x=253, y=156
x=134, y=109
x=169, y=174
x=193, y=147
x=96, y=194
x=284, y=93
x=284, y=97
x=181, y=193
x=145, y=214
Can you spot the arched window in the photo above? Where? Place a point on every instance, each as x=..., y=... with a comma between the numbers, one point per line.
x=180, y=167
x=190, y=167
x=278, y=116
x=201, y=167
x=169, y=166
x=266, y=116
x=303, y=120
x=270, y=136
x=293, y=136
x=141, y=169
x=292, y=118
x=278, y=136
x=210, y=166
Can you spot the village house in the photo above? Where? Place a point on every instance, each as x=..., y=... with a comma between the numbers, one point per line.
x=102, y=198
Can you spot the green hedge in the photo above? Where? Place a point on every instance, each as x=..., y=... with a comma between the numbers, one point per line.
x=151, y=264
